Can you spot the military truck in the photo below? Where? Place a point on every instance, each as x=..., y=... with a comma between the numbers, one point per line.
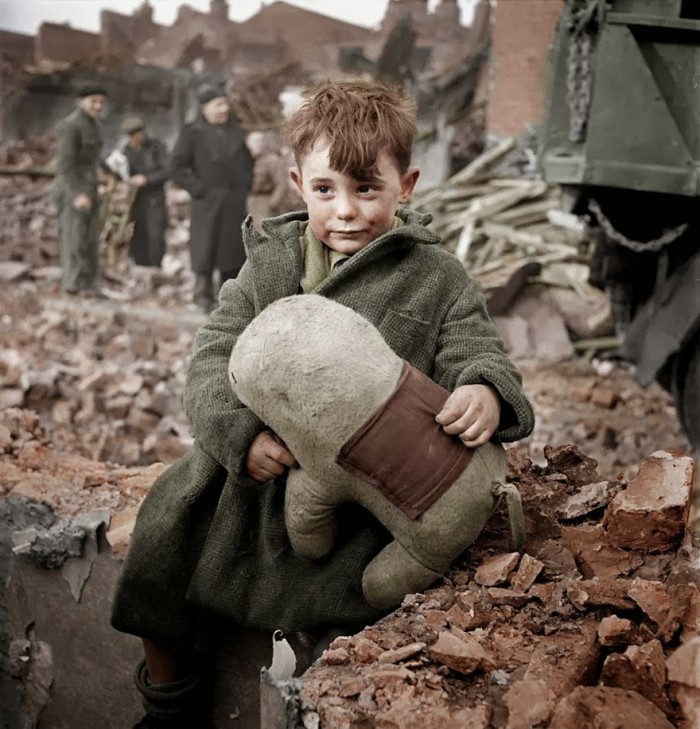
x=621, y=134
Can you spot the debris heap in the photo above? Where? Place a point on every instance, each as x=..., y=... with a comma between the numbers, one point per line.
x=599, y=617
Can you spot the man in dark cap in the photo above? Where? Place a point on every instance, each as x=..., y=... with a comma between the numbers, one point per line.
x=147, y=159
x=75, y=192
x=211, y=161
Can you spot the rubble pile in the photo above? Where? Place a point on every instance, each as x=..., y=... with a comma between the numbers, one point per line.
x=35, y=150
x=32, y=469
x=29, y=233
x=599, y=617
x=106, y=382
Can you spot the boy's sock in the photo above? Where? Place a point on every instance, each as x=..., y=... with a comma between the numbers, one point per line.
x=182, y=704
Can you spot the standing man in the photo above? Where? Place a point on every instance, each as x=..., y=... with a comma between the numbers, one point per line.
x=148, y=173
x=211, y=161
x=75, y=192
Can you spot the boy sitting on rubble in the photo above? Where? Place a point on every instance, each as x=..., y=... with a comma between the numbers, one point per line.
x=210, y=537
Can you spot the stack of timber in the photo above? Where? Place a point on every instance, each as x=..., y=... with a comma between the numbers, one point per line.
x=495, y=223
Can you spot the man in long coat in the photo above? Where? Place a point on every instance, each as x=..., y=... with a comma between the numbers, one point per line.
x=148, y=172
x=75, y=192
x=211, y=161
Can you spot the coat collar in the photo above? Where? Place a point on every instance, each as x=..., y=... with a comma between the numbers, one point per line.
x=282, y=272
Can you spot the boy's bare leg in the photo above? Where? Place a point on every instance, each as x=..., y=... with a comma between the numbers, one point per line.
x=163, y=666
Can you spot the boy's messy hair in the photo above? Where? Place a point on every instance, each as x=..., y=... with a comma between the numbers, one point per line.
x=360, y=119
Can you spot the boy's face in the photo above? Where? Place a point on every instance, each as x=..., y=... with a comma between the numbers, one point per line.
x=345, y=213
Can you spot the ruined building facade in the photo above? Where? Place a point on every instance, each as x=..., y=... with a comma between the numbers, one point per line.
x=211, y=41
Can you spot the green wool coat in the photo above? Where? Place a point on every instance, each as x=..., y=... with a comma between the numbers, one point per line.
x=210, y=537
x=79, y=145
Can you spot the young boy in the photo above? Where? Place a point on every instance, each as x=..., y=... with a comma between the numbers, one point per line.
x=210, y=536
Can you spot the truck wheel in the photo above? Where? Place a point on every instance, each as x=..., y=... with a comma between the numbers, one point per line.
x=689, y=394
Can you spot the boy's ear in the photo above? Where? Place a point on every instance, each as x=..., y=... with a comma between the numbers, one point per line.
x=295, y=176
x=408, y=184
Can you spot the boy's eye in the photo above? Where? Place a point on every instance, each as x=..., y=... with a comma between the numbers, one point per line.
x=323, y=189
x=364, y=189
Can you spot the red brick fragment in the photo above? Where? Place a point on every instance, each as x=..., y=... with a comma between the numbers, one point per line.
x=470, y=611
x=652, y=597
x=502, y=596
x=607, y=708
x=590, y=497
x=614, y=631
x=595, y=556
x=336, y=657
x=542, y=592
x=641, y=668
x=530, y=704
x=565, y=660
x=363, y=650
x=587, y=594
x=401, y=654
x=651, y=514
x=558, y=561
x=684, y=664
x=496, y=570
x=528, y=571
x=604, y=397
x=461, y=653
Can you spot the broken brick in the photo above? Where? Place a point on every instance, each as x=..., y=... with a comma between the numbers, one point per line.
x=651, y=597
x=461, y=653
x=614, y=631
x=683, y=664
x=641, y=668
x=604, y=397
x=565, y=660
x=496, y=570
x=600, y=593
x=590, y=497
x=612, y=708
x=502, y=596
x=558, y=561
x=400, y=654
x=651, y=514
x=530, y=704
x=595, y=557
x=528, y=571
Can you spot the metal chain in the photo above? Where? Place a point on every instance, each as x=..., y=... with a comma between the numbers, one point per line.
x=579, y=76
x=651, y=246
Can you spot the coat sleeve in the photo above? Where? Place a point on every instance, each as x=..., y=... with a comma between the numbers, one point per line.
x=158, y=174
x=182, y=164
x=67, y=161
x=221, y=425
x=471, y=352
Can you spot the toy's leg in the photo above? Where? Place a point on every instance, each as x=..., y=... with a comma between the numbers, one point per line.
x=392, y=575
x=310, y=520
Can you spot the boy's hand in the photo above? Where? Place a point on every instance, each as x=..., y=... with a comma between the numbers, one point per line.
x=268, y=457
x=471, y=412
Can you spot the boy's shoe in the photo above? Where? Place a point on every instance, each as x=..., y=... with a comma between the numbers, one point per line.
x=183, y=704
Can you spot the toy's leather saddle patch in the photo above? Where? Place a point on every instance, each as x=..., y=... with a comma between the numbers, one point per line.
x=402, y=451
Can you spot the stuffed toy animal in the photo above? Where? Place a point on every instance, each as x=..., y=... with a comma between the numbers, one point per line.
x=361, y=423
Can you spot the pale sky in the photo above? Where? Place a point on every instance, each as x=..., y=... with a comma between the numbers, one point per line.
x=25, y=16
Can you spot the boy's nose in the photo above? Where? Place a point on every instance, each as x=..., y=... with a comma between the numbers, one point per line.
x=345, y=209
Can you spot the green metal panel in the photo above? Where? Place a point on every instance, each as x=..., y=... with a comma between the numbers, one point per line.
x=643, y=129
x=668, y=8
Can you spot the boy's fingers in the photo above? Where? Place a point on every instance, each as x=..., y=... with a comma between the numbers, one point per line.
x=282, y=455
x=483, y=439
x=461, y=423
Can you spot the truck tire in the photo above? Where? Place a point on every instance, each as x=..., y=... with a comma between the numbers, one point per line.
x=689, y=393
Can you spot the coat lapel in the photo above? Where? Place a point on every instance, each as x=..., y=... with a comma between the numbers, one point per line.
x=275, y=260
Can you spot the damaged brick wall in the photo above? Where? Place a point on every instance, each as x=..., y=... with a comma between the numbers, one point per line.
x=61, y=43
x=522, y=33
